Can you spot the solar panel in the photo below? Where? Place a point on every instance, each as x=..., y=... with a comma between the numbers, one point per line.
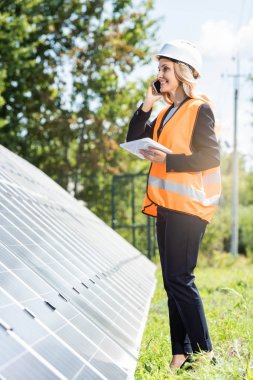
x=74, y=294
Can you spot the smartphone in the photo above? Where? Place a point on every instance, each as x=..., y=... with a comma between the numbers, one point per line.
x=156, y=85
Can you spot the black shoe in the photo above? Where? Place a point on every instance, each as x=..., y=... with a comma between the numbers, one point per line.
x=191, y=360
x=187, y=361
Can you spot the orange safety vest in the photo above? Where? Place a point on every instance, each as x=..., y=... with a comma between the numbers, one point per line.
x=195, y=193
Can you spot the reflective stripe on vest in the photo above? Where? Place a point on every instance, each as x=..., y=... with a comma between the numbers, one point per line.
x=195, y=193
x=182, y=189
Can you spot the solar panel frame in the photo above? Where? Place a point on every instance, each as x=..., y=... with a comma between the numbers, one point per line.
x=68, y=262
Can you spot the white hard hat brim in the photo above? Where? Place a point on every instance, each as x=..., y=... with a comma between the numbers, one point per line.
x=182, y=51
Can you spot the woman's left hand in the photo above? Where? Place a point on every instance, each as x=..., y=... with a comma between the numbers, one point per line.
x=154, y=155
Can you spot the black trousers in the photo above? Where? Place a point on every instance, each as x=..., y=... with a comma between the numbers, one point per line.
x=179, y=236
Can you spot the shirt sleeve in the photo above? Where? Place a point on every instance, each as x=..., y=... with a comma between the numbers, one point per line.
x=140, y=126
x=205, y=148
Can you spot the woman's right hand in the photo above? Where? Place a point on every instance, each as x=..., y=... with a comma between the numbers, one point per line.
x=150, y=99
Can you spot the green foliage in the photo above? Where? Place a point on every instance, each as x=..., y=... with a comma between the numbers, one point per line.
x=246, y=228
x=34, y=123
x=226, y=288
x=218, y=233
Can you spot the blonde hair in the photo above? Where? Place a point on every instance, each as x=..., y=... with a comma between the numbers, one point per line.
x=187, y=77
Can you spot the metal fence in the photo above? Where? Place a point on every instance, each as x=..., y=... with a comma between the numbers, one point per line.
x=127, y=196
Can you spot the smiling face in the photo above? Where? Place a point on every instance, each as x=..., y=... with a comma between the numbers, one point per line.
x=166, y=76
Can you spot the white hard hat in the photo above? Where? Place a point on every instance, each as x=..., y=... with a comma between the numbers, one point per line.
x=182, y=51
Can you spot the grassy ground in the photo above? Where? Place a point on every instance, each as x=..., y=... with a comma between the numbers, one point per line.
x=226, y=287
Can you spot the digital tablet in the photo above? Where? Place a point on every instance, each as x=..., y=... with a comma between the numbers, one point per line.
x=135, y=146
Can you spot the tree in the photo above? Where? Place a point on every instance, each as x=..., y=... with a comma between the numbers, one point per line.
x=86, y=49
x=218, y=234
x=100, y=69
x=34, y=123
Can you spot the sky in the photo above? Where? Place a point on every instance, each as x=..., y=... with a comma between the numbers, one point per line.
x=222, y=30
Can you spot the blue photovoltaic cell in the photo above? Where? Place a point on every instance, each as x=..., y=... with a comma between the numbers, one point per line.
x=75, y=295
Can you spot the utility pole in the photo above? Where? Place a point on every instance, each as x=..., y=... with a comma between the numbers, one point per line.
x=235, y=174
x=235, y=197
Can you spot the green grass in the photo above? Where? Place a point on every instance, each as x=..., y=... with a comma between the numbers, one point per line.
x=226, y=288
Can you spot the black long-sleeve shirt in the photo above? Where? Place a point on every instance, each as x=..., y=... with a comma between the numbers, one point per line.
x=204, y=146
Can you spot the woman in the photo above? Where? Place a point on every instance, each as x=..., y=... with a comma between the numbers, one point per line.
x=183, y=188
